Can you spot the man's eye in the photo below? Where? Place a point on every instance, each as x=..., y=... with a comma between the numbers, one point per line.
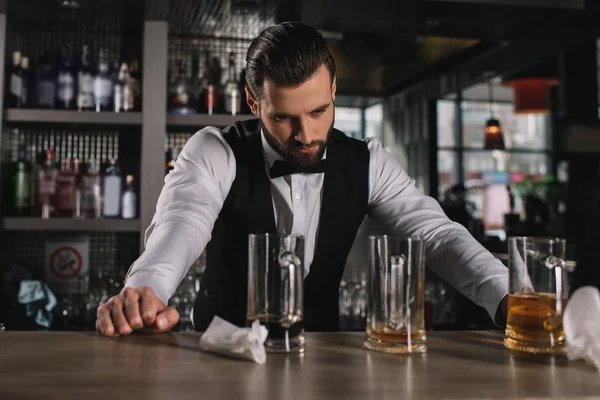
x=318, y=112
x=280, y=119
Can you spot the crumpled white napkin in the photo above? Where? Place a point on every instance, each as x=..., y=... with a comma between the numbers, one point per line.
x=581, y=322
x=224, y=338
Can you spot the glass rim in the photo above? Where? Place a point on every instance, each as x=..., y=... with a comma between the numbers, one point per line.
x=536, y=239
x=404, y=238
x=277, y=235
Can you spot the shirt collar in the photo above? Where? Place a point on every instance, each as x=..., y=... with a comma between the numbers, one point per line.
x=271, y=155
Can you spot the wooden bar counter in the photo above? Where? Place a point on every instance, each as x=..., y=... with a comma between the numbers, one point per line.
x=84, y=365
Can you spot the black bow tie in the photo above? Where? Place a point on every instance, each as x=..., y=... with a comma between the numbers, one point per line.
x=281, y=168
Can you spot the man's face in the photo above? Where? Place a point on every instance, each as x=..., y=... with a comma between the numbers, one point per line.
x=297, y=121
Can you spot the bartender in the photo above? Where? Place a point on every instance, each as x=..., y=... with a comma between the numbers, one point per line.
x=286, y=171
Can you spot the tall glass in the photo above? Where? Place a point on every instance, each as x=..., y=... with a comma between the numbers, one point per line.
x=276, y=289
x=537, y=295
x=395, y=318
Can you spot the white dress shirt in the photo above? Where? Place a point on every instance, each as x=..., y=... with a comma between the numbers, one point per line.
x=195, y=190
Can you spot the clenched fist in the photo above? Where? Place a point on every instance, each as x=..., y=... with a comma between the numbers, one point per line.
x=135, y=310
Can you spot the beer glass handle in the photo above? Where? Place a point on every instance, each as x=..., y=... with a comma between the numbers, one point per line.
x=289, y=264
x=397, y=290
x=557, y=264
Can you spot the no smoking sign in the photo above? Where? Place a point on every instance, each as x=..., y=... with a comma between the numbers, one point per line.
x=67, y=265
x=65, y=262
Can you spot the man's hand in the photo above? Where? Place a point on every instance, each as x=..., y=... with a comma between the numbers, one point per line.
x=135, y=310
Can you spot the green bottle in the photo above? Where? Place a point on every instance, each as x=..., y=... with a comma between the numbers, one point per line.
x=19, y=190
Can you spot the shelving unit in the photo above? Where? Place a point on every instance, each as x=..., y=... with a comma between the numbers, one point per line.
x=40, y=116
x=70, y=225
x=136, y=137
x=200, y=120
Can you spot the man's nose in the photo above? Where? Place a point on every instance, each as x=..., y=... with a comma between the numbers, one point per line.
x=303, y=132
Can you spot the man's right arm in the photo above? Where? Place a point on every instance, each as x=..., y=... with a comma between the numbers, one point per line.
x=188, y=206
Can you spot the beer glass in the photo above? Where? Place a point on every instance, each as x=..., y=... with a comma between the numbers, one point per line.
x=395, y=317
x=537, y=295
x=276, y=289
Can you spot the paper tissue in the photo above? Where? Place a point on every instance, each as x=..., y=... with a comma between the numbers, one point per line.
x=39, y=300
x=581, y=321
x=224, y=338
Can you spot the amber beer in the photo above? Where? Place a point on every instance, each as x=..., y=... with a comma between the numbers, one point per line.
x=537, y=295
x=389, y=335
x=533, y=324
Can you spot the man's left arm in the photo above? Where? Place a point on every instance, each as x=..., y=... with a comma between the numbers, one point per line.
x=451, y=251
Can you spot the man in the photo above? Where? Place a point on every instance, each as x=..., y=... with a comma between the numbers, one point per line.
x=287, y=171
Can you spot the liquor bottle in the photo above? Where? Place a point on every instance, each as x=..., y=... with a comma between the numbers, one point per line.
x=111, y=199
x=103, y=85
x=77, y=173
x=180, y=93
x=194, y=82
x=244, y=108
x=132, y=89
x=66, y=190
x=120, y=75
x=15, y=85
x=85, y=82
x=65, y=94
x=25, y=82
x=47, y=175
x=216, y=73
x=18, y=194
x=90, y=191
x=129, y=201
x=199, y=86
x=232, y=95
x=209, y=94
x=45, y=93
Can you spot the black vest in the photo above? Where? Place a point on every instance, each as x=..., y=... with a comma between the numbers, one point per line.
x=248, y=208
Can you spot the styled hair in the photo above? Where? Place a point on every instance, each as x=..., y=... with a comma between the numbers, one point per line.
x=286, y=54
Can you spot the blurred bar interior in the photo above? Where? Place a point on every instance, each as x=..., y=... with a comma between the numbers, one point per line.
x=490, y=105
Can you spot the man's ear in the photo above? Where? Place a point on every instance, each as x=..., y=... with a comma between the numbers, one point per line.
x=252, y=102
x=333, y=88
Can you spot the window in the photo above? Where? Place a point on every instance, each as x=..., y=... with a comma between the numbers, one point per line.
x=463, y=159
x=374, y=121
x=348, y=120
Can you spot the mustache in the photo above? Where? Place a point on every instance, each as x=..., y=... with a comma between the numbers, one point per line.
x=297, y=145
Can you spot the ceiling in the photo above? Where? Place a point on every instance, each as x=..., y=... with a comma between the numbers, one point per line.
x=378, y=44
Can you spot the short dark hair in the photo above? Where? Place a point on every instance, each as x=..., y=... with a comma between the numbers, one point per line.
x=287, y=54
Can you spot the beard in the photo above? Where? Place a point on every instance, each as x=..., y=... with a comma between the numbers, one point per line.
x=288, y=150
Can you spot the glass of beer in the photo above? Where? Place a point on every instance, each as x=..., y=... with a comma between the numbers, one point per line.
x=537, y=295
x=276, y=289
x=395, y=317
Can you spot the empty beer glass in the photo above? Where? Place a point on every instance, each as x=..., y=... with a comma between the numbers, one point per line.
x=537, y=295
x=276, y=289
x=395, y=317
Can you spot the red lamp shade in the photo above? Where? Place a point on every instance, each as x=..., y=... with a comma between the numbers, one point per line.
x=531, y=95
